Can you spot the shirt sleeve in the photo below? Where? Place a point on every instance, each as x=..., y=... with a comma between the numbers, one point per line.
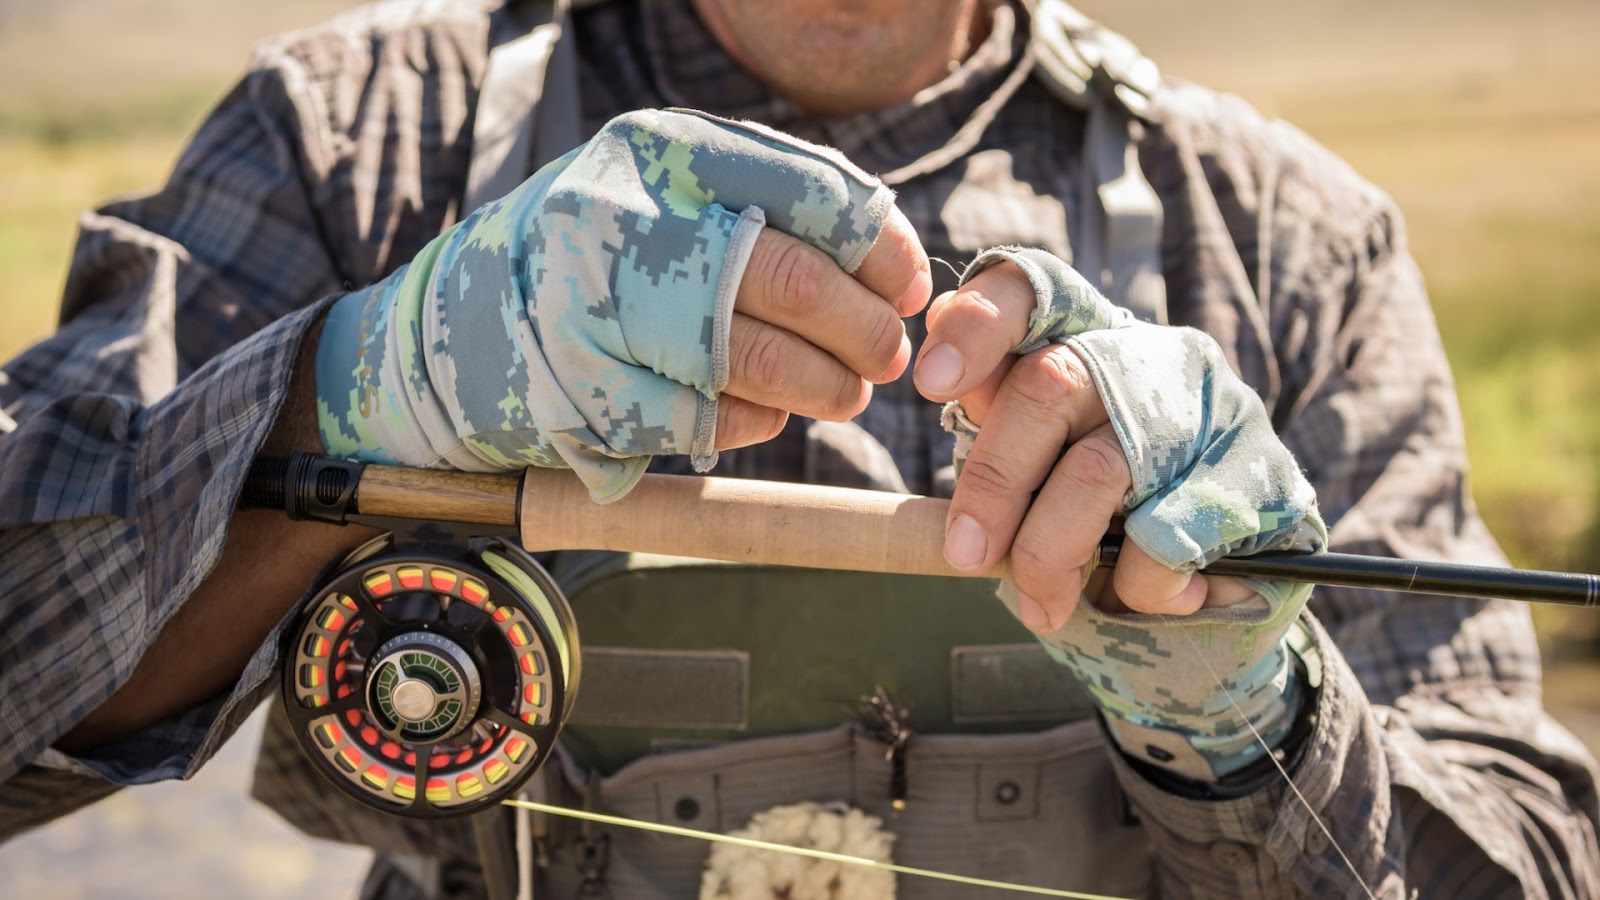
x=126, y=437
x=1430, y=761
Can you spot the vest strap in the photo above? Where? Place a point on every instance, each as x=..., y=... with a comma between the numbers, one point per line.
x=1117, y=243
x=527, y=112
x=1117, y=239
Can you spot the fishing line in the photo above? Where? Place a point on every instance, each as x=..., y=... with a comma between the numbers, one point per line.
x=1183, y=629
x=953, y=270
x=751, y=843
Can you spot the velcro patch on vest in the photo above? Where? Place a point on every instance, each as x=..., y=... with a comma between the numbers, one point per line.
x=1011, y=683
x=664, y=688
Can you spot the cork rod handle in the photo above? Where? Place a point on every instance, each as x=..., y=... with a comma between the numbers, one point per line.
x=732, y=519
x=742, y=520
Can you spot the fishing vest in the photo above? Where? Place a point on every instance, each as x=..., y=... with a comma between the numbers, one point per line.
x=712, y=691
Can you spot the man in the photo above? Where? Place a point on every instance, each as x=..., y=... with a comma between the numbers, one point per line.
x=236, y=312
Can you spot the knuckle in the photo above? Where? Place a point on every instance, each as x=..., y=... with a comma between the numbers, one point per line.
x=742, y=424
x=1154, y=604
x=734, y=424
x=1139, y=604
x=971, y=309
x=1046, y=377
x=796, y=278
x=1097, y=461
x=903, y=260
x=760, y=423
x=1031, y=567
x=773, y=424
x=845, y=401
x=763, y=359
x=987, y=476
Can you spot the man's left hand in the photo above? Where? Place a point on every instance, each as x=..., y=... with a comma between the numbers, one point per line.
x=1069, y=412
x=1047, y=472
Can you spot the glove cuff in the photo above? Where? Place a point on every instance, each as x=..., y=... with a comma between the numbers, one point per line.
x=1065, y=303
x=703, y=451
x=1286, y=750
x=1191, y=693
x=1202, y=753
x=375, y=399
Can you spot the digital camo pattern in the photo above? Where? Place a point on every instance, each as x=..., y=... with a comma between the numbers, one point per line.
x=1065, y=303
x=582, y=320
x=1212, y=680
x=1210, y=479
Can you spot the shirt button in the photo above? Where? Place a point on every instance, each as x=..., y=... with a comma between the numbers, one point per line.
x=1231, y=855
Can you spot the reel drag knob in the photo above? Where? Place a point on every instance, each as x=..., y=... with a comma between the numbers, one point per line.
x=424, y=687
x=430, y=681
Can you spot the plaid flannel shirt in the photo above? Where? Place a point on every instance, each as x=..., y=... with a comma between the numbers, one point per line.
x=345, y=149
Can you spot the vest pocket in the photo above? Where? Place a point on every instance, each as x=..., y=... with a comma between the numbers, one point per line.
x=1039, y=808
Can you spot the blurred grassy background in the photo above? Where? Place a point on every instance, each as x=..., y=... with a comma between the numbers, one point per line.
x=1482, y=119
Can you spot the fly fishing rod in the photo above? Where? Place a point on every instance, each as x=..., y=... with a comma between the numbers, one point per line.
x=744, y=520
x=431, y=670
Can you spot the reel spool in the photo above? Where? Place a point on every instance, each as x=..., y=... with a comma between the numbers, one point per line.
x=431, y=680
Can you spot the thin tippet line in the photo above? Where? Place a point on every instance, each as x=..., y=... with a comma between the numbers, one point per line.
x=1183, y=629
x=751, y=843
x=953, y=270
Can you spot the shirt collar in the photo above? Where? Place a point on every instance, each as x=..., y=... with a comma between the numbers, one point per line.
x=921, y=134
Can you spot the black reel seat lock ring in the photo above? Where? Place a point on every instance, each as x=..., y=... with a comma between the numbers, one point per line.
x=430, y=680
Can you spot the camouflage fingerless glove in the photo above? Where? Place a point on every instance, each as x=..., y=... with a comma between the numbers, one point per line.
x=1210, y=479
x=582, y=320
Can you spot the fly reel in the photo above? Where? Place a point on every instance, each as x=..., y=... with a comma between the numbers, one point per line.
x=431, y=680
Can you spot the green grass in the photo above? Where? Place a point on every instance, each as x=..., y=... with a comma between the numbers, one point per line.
x=162, y=115
x=44, y=186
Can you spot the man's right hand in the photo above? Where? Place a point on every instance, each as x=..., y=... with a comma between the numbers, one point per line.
x=627, y=301
x=809, y=339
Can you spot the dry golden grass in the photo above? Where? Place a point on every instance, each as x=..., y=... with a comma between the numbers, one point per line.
x=98, y=97
x=78, y=67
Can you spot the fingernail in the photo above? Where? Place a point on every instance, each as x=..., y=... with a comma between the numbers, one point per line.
x=965, y=544
x=1031, y=613
x=940, y=369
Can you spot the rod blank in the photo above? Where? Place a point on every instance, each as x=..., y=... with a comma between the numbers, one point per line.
x=1452, y=579
x=1347, y=569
